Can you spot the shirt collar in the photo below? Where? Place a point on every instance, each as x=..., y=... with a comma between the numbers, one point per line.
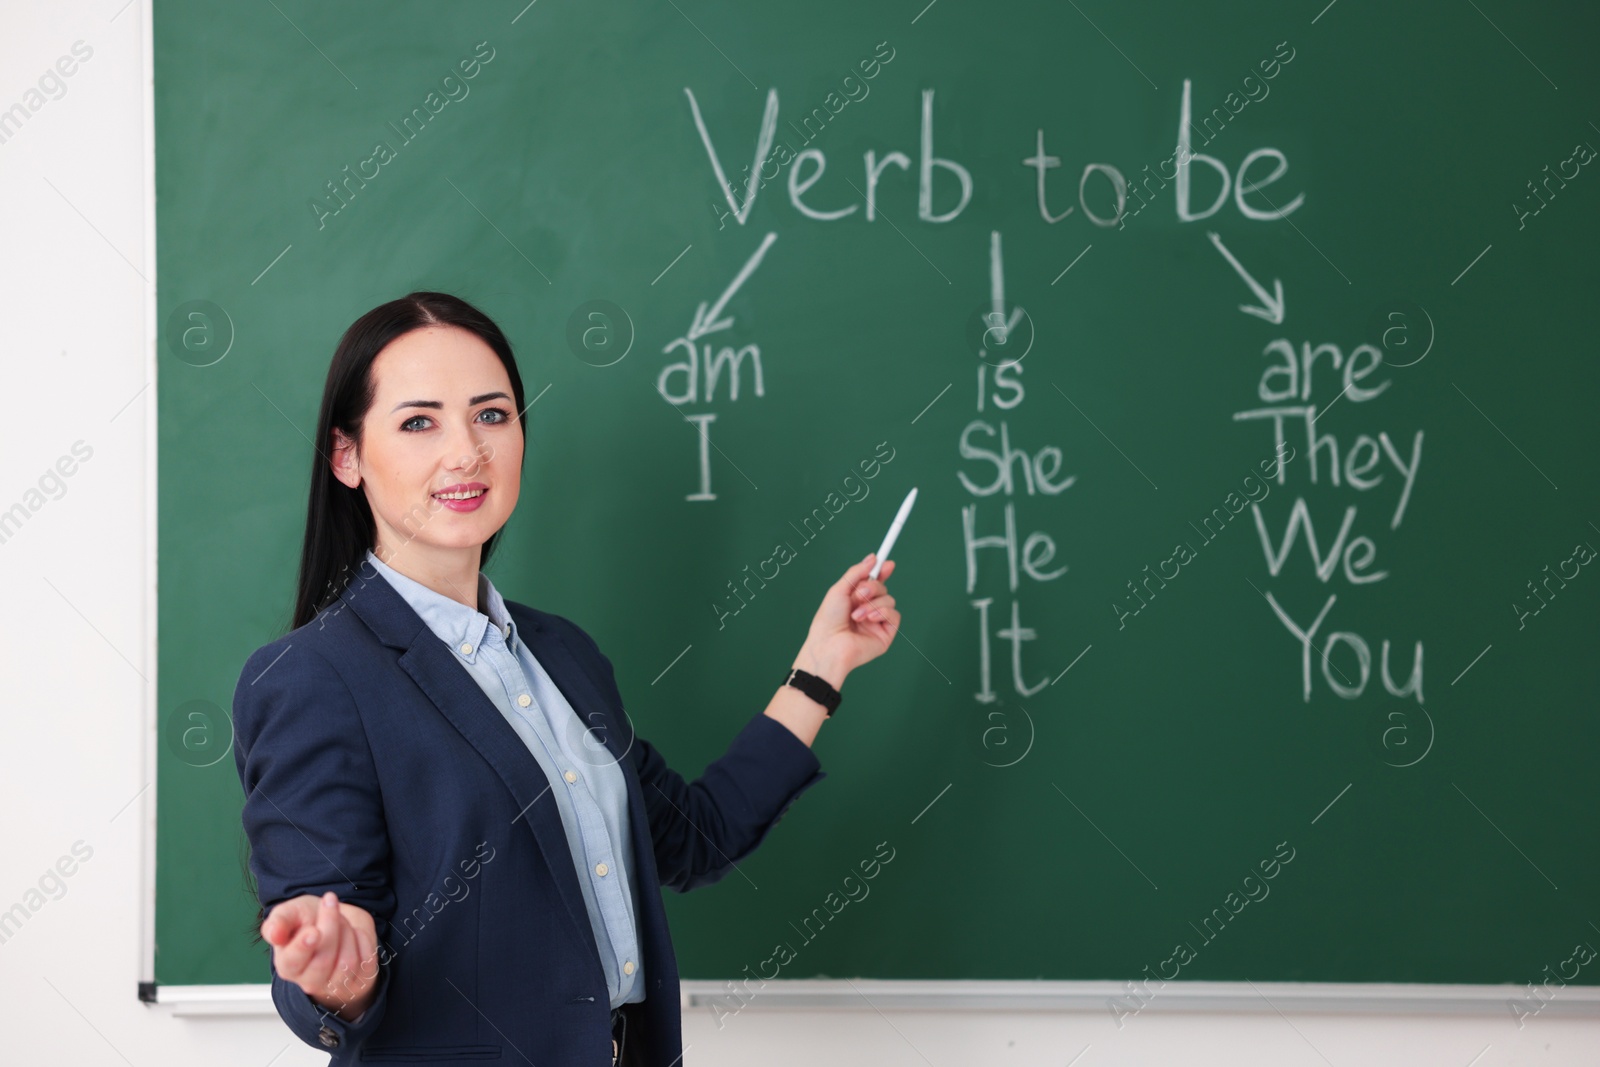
x=464, y=629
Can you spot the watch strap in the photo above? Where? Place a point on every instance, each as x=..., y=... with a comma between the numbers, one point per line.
x=815, y=688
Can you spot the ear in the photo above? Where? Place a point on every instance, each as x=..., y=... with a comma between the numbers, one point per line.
x=345, y=462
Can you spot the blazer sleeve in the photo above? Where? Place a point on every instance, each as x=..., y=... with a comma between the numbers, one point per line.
x=312, y=812
x=700, y=829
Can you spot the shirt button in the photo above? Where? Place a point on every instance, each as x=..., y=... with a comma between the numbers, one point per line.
x=571, y=777
x=466, y=648
x=627, y=968
x=524, y=700
x=601, y=869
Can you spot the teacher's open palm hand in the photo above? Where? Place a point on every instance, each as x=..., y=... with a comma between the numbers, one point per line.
x=326, y=947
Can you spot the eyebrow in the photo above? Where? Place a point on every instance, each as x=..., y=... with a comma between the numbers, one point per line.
x=436, y=404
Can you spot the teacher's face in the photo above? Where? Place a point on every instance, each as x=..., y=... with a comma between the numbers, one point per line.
x=443, y=420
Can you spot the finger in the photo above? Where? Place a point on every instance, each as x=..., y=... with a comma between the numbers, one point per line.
x=366, y=949
x=881, y=631
x=885, y=629
x=325, y=944
x=279, y=925
x=873, y=609
x=290, y=925
x=329, y=921
x=868, y=588
x=345, y=973
x=291, y=959
x=876, y=583
x=856, y=572
x=287, y=918
x=361, y=922
x=349, y=949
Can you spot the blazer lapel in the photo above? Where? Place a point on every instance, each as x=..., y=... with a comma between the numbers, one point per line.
x=459, y=699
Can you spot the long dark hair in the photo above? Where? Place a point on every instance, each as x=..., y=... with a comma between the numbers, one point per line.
x=339, y=524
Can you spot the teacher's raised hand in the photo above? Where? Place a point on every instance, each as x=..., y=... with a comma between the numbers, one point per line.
x=328, y=948
x=856, y=622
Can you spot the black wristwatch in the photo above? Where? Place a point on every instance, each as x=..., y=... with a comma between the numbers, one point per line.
x=815, y=688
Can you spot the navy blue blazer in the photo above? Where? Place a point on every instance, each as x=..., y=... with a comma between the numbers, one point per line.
x=374, y=765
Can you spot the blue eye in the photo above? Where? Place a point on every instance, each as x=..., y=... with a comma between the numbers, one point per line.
x=501, y=416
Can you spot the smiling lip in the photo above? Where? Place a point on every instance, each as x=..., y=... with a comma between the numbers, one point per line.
x=471, y=503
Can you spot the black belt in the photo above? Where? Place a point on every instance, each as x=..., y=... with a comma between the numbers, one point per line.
x=619, y=1031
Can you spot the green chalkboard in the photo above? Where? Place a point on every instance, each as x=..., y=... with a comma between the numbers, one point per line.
x=1098, y=737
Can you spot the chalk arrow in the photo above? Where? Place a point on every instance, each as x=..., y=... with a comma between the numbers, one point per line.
x=1271, y=307
x=997, y=292
x=706, y=321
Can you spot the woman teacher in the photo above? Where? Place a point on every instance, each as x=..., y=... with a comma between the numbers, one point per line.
x=457, y=840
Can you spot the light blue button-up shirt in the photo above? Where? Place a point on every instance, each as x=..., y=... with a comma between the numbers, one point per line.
x=585, y=780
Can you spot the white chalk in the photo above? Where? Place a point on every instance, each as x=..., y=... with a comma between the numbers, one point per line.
x=894, y=531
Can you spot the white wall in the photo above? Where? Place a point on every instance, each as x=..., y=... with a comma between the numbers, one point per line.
x=77, y=660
